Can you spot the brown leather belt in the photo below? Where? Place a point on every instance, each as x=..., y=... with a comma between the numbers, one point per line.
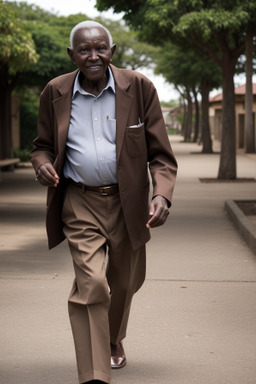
x=106, y=190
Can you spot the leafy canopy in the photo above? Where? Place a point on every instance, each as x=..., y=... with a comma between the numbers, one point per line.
x=17, y=46
x=50, y=34
x=187, y=68
x=161, y=19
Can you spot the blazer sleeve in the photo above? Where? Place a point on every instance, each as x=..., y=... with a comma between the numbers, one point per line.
x=43, y=145
x=162, y=163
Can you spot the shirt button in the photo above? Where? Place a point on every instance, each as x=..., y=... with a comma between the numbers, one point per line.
x=95, y=118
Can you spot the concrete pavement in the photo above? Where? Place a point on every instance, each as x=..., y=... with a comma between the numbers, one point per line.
x=193, y=321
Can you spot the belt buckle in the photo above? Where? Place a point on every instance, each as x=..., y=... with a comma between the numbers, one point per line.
x=103, y=191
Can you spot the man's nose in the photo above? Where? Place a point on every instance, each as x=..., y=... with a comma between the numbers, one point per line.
x=94, y=54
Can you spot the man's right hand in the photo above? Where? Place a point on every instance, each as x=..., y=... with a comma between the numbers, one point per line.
x=47, y=176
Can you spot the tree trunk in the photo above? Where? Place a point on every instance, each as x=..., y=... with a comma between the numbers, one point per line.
x=196, y=130
x=185, y=119
x=249, y=126
x=5, y=118
x=227, y=167
x=189, y=117
x=206, y=134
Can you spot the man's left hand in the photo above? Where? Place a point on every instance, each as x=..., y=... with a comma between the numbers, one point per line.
x=158, y=212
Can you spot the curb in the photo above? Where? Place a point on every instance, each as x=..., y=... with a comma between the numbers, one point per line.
x=240, y=220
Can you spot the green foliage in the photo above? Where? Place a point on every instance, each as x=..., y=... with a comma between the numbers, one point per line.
x=28, y=119
x=169, y=104
x=186, y=67
x=130, y=52
x=53, y=56
x=17, y=47
x=207, y=22
x=22, y=154
x=172, y=131
x=31, y=12
x=180, y=118
x=51, y=36
x=176, y=19
x=134, y=8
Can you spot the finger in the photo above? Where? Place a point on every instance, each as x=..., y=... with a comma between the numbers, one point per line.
x=51, y=170
x=158, y=218
x=151, y=213
x=47, y=175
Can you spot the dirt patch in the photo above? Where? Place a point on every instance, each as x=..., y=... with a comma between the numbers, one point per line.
x=247, y=207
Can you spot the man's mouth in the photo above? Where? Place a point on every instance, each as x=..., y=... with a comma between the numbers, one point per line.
x=94, y=67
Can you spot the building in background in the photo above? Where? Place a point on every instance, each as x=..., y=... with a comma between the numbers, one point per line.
x=215, y=114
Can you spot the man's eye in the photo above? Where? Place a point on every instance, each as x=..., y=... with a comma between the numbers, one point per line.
x=101, y=49
x=84, y=50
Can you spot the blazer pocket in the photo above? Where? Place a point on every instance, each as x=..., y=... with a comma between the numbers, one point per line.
x=136, y=141
x=136, y=126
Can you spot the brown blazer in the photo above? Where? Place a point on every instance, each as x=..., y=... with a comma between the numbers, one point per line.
x=136, y=104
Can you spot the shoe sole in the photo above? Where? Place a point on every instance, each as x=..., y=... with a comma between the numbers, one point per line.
x=118, y=366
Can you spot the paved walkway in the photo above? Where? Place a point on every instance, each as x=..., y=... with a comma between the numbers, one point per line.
x=193, y=321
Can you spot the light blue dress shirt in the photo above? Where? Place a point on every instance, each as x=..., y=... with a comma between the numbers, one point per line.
x=91, y=141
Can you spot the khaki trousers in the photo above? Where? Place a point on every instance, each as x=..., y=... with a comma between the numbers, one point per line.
x=107, y=274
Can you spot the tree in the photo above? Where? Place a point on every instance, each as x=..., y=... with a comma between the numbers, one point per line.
x=16, y=55
x=191, y=71
x=219, y=27
x=51, y=37
x=249, y=126
x=130, y=52
x=174, y=64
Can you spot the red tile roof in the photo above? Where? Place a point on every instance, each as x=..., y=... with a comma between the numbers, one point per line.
x=238, y=91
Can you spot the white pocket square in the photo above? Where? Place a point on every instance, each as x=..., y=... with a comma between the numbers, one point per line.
x=136, y=126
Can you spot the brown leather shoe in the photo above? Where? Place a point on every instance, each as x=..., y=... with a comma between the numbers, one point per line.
x=118, y=359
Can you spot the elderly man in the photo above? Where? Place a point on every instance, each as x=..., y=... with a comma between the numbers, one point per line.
x=99, y=130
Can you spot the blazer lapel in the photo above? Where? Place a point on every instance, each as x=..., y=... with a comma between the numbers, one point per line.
x=62, y=108
x=123, y=103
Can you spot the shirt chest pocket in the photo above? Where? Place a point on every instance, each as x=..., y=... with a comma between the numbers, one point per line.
x=136, y=141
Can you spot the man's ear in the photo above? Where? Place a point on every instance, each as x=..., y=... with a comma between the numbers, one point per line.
x=70, y=53
x=113, y=48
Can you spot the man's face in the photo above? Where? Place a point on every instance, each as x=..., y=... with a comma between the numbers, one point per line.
x=91, y=52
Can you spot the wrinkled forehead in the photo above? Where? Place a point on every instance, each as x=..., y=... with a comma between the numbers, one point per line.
x=90, y=34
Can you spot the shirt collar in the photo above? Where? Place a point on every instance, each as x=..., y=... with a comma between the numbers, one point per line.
x=110, y=84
